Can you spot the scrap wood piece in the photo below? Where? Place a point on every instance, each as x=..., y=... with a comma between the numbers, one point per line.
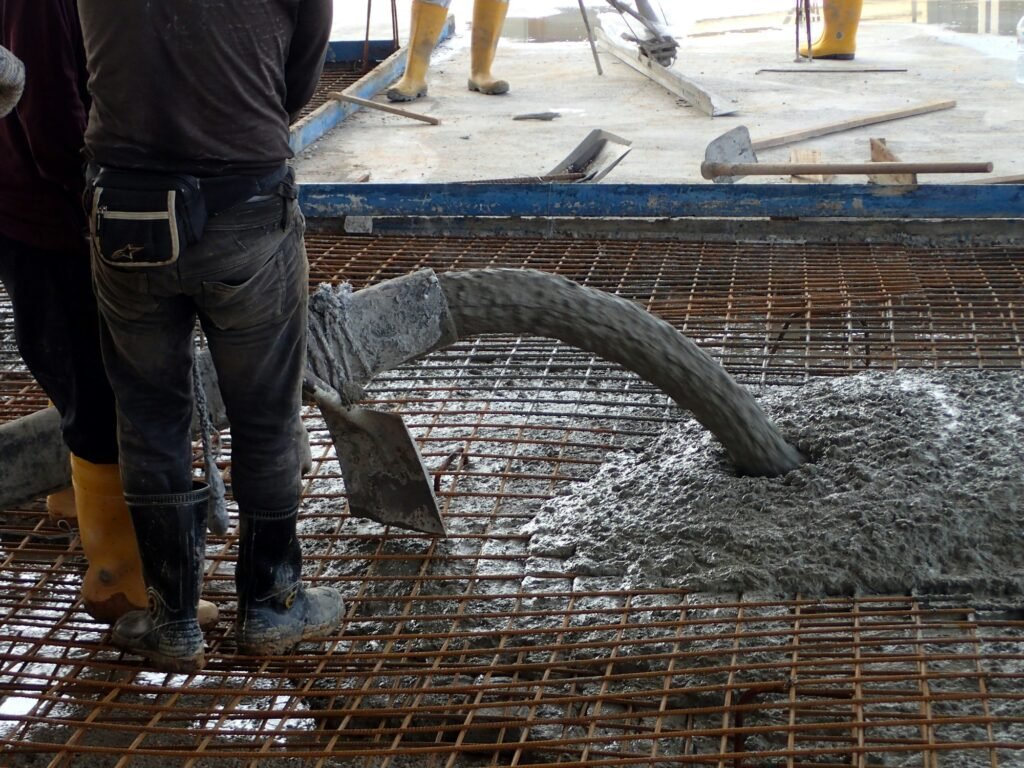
x=338, y=96
x=1013, y=179
x=880, y=153
x=808, y=156
x=683, y=87
x=846, y=125
x=826, y=70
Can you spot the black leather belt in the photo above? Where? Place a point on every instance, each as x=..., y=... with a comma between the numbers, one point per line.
x=223, y=192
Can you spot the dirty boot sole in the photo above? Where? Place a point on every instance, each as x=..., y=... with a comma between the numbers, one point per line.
x=278, y=641
x=394, y=94
x=496, y=88
x=170, y=646
x=160, y=660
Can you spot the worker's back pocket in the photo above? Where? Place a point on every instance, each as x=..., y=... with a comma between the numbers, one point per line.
x=145, y=219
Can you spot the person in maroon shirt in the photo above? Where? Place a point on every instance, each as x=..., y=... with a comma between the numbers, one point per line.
x=44, y=267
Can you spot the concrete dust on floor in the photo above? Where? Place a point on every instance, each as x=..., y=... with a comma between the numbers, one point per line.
x=479, y=139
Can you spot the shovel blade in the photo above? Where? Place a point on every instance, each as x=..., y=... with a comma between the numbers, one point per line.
x=731, y=148
x=384, y=474
x=595, y=156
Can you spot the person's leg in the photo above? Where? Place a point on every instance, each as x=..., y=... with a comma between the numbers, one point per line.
x=254, y=316
x=838, y=38
x=488, y=18
x=57, y=333
x=147, y=340
x=56, y=328
x=428, y=19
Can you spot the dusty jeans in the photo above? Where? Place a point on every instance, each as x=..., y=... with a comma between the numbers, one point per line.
x=247, y=282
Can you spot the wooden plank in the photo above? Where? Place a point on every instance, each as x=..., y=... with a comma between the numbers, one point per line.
x=808, y=156
x=847, y=125
x=880, y=153
x=1014, y=179
x=684, y=88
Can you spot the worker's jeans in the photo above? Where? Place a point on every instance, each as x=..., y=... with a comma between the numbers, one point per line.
x=56, y=328
x=247, y=281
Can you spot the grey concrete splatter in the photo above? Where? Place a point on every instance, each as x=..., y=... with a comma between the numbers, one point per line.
x=915, y=485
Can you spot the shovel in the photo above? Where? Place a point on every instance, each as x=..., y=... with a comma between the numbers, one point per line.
x=731, y=156
x=594, y=157
x=383, y=472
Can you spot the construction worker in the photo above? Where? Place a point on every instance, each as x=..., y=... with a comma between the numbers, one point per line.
x=194, y=215
x=428, y=18
x=838, y=39
x=44, y=266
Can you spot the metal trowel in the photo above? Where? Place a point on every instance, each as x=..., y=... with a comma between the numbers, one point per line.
x=383, y=471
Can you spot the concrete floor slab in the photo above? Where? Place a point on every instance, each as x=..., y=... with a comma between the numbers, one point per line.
x=479, y=139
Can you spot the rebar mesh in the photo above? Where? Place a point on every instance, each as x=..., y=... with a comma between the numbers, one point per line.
x=337, y=76
x=471, y=651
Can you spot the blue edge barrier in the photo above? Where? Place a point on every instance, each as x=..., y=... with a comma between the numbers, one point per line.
x=604, y=200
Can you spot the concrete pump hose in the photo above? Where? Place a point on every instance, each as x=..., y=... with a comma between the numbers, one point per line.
x=541, y=304
x=12, y=81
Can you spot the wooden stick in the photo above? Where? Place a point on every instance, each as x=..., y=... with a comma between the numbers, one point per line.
x=710, y=170
x=1015, y=179
x=846, y=125
x=382, y=107
x=590, y=37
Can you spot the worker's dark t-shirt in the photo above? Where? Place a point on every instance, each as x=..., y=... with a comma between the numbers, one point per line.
x=41, y=140
x=206, y=87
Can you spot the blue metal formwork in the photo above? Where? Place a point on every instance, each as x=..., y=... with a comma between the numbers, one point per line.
x=932, y=201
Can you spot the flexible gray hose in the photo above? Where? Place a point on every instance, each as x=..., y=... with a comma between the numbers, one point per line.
x=12, y=80
x=541, y=304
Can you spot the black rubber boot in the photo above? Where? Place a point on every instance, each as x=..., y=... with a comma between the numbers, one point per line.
x=171, y=532
x=275, y=612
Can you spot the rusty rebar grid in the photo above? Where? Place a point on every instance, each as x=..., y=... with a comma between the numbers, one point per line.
x=337, y=76
x=468, y=651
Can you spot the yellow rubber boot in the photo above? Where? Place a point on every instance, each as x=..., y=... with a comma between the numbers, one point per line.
x=61, y=504
x=839, y=37
x=428, y=20
x=113, y=581
x=488, y=19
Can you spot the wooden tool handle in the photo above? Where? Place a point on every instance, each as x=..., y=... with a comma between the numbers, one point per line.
x=711, y=170
x=383, y=107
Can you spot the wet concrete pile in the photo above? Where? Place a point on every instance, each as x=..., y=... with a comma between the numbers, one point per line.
x=915, y=485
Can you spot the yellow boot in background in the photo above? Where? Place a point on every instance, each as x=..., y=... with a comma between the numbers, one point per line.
x=113, y=581
x=839, y=37
x=428, y=20
x=488, y=19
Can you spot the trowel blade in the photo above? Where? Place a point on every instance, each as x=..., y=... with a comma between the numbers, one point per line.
x=732, y=147
x=383, y=472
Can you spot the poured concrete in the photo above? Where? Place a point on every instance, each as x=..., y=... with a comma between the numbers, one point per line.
x=915, y=486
